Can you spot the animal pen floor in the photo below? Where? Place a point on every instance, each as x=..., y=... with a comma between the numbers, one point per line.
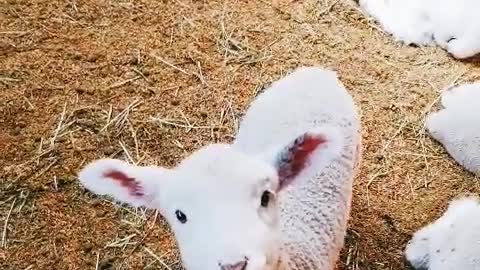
x=151, y=81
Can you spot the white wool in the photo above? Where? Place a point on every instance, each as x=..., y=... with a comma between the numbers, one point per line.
x=457, y=125
x=306, y=118
x=314, y=212
x=404, y=19
x=451, y=24
x=451, y=242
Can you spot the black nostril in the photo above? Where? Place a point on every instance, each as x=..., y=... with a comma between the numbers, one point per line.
x=237, y=266
x=244, y=265
x=450, y=39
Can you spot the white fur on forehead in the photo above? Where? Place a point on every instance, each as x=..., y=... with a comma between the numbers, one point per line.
x=461, y=96
x=462, y=207
x=451, y=24
x=457, y=125
x=451, y=241
x=221, y=165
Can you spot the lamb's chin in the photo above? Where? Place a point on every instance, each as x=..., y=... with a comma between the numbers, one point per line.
x=275, y=261
x=277, y=265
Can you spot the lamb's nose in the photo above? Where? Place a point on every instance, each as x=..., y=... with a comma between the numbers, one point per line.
x=237, y=266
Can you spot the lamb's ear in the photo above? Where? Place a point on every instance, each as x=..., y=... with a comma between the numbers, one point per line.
x=134, y=185
x=317, y=147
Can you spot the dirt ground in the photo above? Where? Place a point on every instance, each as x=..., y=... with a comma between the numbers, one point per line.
x=150, y=81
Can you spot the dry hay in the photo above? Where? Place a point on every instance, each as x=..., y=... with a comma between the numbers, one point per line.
x=151, y=81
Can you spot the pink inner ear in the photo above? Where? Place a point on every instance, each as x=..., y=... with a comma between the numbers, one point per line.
x=134, y=188
x=296, y=157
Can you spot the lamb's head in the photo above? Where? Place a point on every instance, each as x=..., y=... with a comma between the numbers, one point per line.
x=220, y=203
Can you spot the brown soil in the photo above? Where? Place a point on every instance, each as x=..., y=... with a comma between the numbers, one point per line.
x=85, y=79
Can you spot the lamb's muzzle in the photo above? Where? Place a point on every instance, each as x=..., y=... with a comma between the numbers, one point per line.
x=237, y=266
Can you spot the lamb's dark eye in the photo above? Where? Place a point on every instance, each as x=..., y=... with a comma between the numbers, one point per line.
x=265, y=198
x=181, y=216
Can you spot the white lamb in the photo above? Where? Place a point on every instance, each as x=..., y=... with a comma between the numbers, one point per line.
x=450, y=243
x=451, y=24
x=277, y=198
x=457, y=125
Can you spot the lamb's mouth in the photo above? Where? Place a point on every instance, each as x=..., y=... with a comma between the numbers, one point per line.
x=273, y=263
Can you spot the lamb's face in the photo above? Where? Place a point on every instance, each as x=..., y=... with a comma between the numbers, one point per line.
x=222, y=207
x=220, y=203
